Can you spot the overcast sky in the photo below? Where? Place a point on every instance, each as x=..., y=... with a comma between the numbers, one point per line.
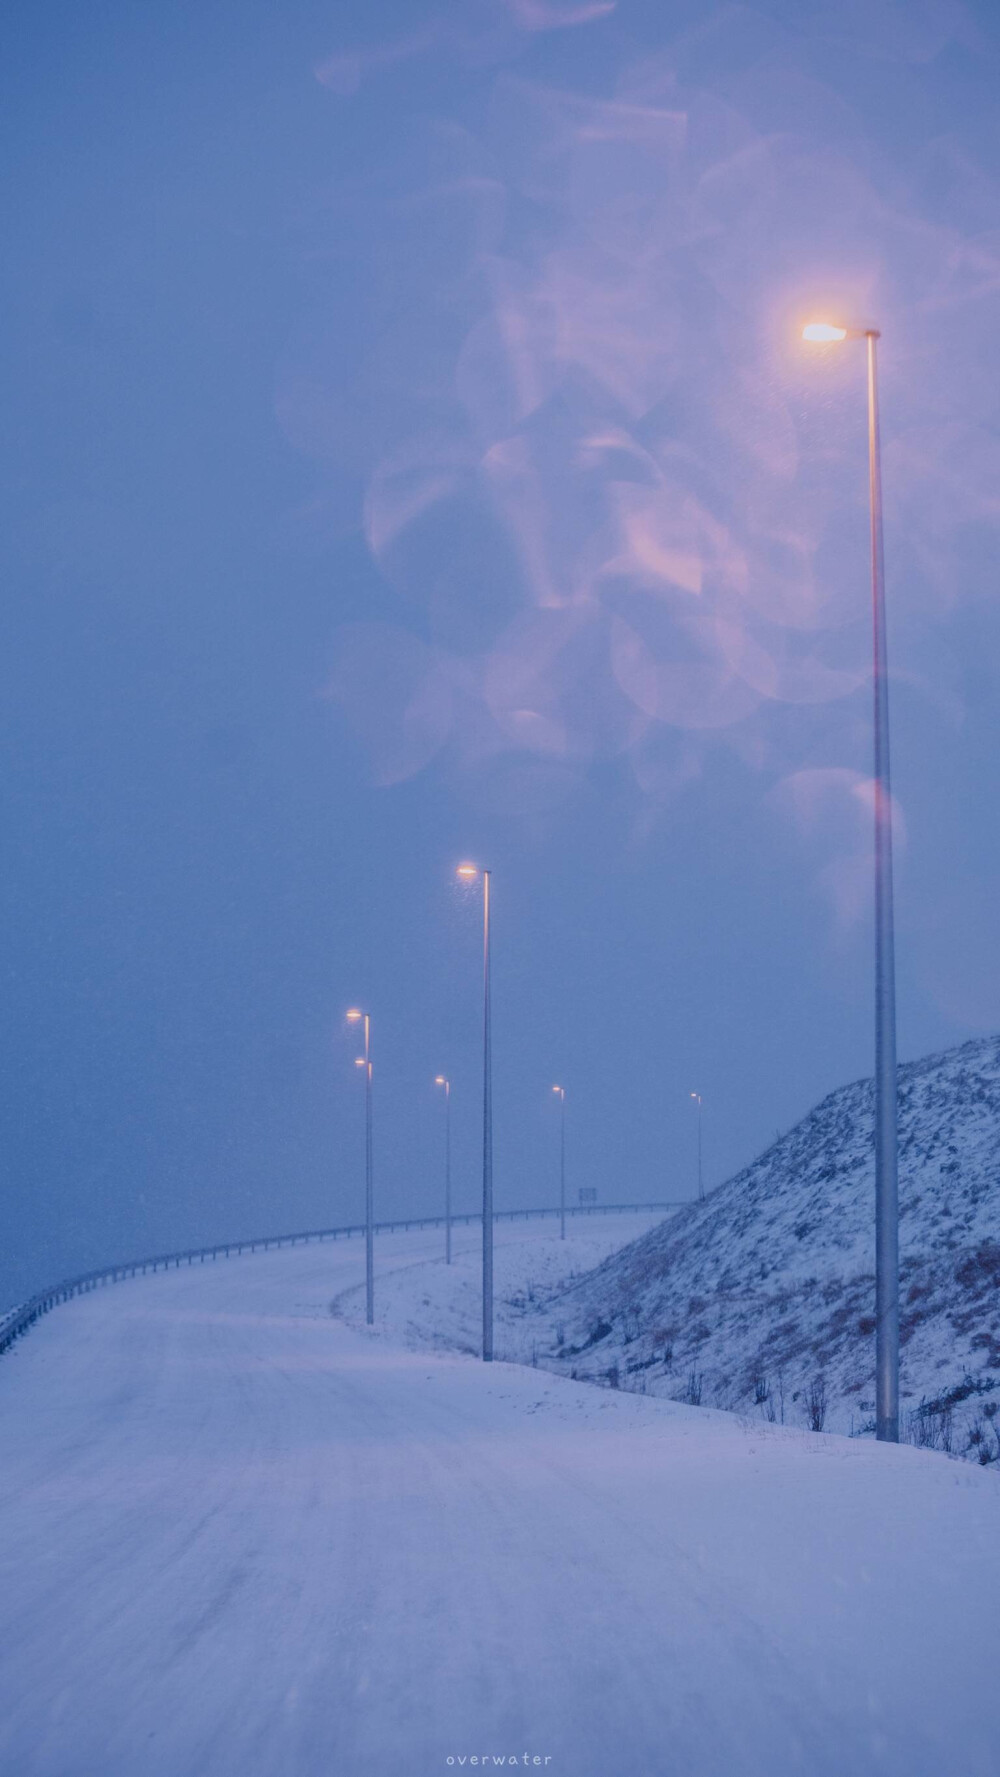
x=410, y=454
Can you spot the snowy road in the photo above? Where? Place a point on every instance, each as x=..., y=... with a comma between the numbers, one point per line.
x=241, y=1539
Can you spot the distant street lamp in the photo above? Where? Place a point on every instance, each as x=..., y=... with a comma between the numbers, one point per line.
x=886, y=1139
x=356, y=1016
x=470, y=873
x=701, y=1189
x=561, y=1090
x=440, y=1080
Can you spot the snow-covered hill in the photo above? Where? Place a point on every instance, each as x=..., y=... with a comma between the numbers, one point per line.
x=762, y=1296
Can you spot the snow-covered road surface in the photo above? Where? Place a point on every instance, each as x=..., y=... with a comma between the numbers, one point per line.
x=242, y=1539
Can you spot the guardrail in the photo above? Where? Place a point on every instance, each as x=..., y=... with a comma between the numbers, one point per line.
x=18, y=1320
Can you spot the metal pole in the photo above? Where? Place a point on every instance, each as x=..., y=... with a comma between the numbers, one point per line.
x=562, y=1164
x=447, y=1172
x=369, y=1186
x=487, y=1135
x=886, y=1143
x=701, y=1188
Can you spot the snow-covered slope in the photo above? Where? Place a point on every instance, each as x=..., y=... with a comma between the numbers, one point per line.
x=762, y=1296
x=429, y=1305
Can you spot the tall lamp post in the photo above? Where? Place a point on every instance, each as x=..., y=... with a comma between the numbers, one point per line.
x=356, y=1016
x=701, y=1188
x=886, y=1144
x=469, y=873
x=561, y=1090
x=440, y=1080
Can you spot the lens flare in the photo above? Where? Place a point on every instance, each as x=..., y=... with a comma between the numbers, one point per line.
x=617, y=547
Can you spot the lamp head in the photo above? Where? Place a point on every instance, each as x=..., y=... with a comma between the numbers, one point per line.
x=439, y=1080
x=354, y=1016
x=823, y=333
x=359, y=1061
x=468, y=872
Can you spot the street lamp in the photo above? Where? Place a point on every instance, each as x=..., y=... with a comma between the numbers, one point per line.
x=440, y=1080
x=701, y=1189
x=356, y=1016
x=886, y=1143
x=561, y=1090
x=470, y=873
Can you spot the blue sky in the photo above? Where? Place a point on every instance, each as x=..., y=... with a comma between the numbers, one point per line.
x=410, y=454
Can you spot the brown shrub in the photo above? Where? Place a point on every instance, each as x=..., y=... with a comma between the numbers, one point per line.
x=981, y=1268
